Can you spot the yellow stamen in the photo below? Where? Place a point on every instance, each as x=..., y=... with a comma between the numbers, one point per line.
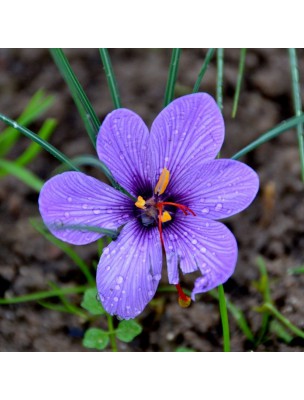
x=165, y=217
x=162, y=182
x=140, y=202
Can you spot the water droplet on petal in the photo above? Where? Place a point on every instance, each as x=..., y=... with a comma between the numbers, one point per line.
x=109, y=210
x=70, y=199
x=117, y=287
x=194, y=241
x=115, y=299
x=218, y=207
x=108, y=268
x=119, y=279
x=96, y=211
x=106, y=250
x=150, y=293
x=66, y=214
x=203, y=249
x=205, y=210
x=121, y=156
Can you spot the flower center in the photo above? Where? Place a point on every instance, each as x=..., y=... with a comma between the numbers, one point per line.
x=154, y=209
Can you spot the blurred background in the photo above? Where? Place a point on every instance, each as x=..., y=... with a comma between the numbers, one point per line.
x=272, y=227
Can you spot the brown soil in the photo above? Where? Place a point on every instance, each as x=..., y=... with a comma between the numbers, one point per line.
x=272, y=227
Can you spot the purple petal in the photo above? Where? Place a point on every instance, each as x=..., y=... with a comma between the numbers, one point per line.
x=73, y=199
x=122, y=144
x=198, y=243
x=220, y=188
x=129, y=271
x=189, y=131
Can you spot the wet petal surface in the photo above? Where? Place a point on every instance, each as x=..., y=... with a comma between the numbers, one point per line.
x=129, y=271
x=220, y=188
x=75, y=199
x=188, y=132
x=122, y=144
x=196, y=243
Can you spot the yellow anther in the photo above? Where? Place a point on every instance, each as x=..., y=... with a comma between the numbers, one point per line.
x=140, y=202
x=165, y=217
x=162, y=182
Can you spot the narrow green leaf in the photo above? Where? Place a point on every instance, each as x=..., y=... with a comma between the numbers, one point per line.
x=54, y=307
x=43, y=295
x=296, y=270
x=172, y=75
x=91, y=303
x=128, y=330
x=82, y=102
x=237, y=314
x=278, y=329
x=41, y=228
x=297, y=102
x=201, y=74
x=95, y=338
x=107, y=65
x=271, y=134
x=264, y=288
x=219, y=78
x=239, y=81
x=34, y=149
x=24, y=175
x=184, y=350
x=224, y=318
x=67, y=303
x=37, y=105
x=35, y=138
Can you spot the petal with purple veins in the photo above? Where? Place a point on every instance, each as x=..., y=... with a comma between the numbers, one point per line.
x=122, y=144
x=82, y=202
x=219, y=189
x=188, y=132
x=129, y=271
x=195, y=243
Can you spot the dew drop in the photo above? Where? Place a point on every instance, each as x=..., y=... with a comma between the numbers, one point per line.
x=218, y=207
x=84, y=206
x=150, y=293
x=106, y=250
x=194, y=241
x=108, y=268
x=205, y=210
x=119, y=279
x=117, y=287
x=121, y=156
x=109, y=210
x=203, y=250
x=70, y=199
x=115, y=299
x=66, y=214
x=96, y=211
x=208, y=184
x=166, y=158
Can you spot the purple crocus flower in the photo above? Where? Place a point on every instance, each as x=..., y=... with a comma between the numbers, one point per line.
x=180, y=191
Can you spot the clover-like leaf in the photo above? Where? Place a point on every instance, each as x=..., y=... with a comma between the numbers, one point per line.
x=128, y=330
x=95, y=338
x=91, y=303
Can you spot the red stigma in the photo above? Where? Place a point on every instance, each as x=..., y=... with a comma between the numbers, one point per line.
x=183, y=300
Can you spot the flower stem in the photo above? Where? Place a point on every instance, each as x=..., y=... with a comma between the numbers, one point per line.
x=112, y=333
x=224, y=318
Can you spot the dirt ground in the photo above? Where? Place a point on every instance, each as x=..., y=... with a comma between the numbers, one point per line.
x=273, y=229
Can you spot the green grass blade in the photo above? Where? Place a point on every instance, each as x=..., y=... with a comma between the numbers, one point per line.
x=239, y=81
x=35, y=138
x=44, y=295
x=82, y=102
x=172, y=75
x=201, y=74
x=54, y=307
x=67, y=304
x=237, y=315
x=268, y=307
x=219, y=78
x=296, y=270
x=37, y=105
x=265, y=290
x=271, y=134
x=107, y=65
x=224, y=318
x=22, y=174
x=34, y=149
x=66, y=249
x=296, y=92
